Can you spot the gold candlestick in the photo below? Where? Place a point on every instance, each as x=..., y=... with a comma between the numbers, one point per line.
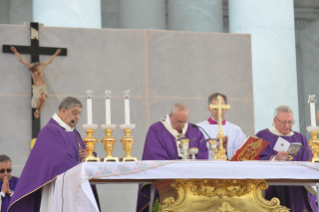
x=90, y=142
x=108, y=142
x=128, y=142
x=314, y=145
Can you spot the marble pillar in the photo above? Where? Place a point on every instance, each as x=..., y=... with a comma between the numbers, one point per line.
x=272, y=29
x=195, y=16
x=142, y=14
x=68, y=13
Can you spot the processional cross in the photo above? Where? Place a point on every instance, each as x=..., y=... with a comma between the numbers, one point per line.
x=221, y=155
x=35, y=51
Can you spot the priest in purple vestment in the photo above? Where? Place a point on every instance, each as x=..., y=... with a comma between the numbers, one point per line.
x=297, y=198
x=58, y=148
x=8, y=183
x=161, y=144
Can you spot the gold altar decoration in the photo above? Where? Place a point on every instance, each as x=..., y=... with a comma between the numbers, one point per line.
x=314, y=145
x=185, y=147
x=128, y=142
x=90, y=142
x=221, y=154
x=215, y=195
x=108, y=142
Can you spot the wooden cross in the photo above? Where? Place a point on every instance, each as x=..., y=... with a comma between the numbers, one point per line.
x=35, y=51
x=219, y=107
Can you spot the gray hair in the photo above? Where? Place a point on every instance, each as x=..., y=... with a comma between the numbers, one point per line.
x=70, y=102
x=214, y=96
x=180, y=106
x=282, y=108
x=4, y=158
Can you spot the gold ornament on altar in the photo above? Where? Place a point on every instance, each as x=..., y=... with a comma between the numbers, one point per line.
x=128, y=142
x=90, y=142
x=108, y=142
x=314, y=146
x=221, y=154
x=313, y=129
x=215, y=195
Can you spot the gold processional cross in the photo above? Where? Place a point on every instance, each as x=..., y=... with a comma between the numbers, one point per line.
x=221, y=155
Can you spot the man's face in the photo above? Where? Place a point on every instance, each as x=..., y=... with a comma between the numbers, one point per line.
x=5, y=166
x=179, y=119
x=214, y=112
x=72, y=114
x=283, y=122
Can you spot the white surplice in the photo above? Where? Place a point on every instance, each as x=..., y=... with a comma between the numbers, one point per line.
x=236, y=136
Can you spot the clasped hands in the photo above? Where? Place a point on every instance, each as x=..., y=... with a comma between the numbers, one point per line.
x=5, y=186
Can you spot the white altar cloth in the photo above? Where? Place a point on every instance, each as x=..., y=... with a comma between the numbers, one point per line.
x=73, y=191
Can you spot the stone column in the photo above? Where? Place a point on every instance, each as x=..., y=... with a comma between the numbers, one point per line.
x=142, y=14
x=195, y=16
x=68, y=13
x=272, y=29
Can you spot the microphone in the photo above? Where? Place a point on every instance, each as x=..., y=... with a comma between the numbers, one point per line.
x=76, y=137
x=194, y=125
x=300, y=142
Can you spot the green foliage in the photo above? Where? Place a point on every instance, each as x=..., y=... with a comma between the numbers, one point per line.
x=157, y=206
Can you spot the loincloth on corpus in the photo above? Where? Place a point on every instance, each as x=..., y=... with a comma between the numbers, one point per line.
x=37, y=90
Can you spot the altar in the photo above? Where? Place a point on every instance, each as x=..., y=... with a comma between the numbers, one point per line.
x=73, y=192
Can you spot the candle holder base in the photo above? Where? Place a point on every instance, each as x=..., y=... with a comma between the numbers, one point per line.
x=91, y=159
x=221, y=155
x=129, y=159
x=110, y=159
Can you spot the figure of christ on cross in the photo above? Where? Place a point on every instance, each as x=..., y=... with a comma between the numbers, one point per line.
x=39, y=86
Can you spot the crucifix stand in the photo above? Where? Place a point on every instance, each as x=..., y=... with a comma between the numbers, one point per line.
x=221, y=155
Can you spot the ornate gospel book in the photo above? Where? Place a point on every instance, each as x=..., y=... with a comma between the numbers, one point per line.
x=250, y=149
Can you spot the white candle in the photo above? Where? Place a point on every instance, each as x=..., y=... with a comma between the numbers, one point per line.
x=89, y=108
x=127, y=108
x=312, y=114
x=108, y=110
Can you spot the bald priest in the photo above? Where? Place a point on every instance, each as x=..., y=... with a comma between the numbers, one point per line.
x=161, y=144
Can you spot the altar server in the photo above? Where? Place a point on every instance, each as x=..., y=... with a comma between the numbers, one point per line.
x=55, y=151
x=234, y=136
x=160, y=144
x=297, y=198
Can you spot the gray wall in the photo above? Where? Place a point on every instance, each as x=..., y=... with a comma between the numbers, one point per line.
x=159, y=67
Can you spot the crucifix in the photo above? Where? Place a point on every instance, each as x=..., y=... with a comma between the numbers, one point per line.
x=221, y=155
x=35, y=51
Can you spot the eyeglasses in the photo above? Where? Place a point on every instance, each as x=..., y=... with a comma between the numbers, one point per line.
x=3, y=170
x=285, y=122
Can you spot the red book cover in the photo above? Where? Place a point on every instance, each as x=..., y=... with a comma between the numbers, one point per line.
x=250, y=149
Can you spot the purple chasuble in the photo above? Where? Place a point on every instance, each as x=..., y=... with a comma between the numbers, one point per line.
x=6, y=200
x=297, y=198
x=54, y=152
x=160, y=144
